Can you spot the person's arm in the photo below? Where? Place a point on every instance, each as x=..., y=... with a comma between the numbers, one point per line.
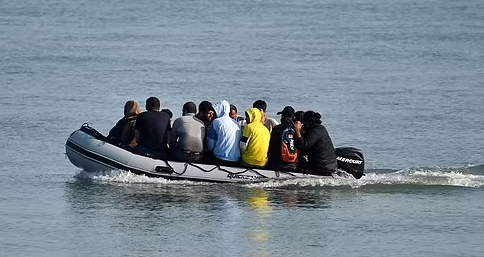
x=112, y=132
x=137, y=127
x=244, y=140
x=211, y=139
x=170, y=137
x=174, y=134
x=271, y=144
x=298, y=129
x=132, y=134
x=136, y=136
x=304, y=143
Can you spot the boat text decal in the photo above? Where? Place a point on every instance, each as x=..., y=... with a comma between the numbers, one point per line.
x=239, y=176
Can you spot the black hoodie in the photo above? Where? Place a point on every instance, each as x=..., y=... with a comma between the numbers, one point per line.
x=319, y=149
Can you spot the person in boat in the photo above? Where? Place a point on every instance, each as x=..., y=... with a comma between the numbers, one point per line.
x=224, y=136
x=187, y=135
x=270, y=123
x=123, y=132
x=255, y=140
x=238, y=119
x=316, y=143
x=298, y=116
x=283, y=154
x=152, y=130
x=205, y=113
x=233, y=112
x=169, y=112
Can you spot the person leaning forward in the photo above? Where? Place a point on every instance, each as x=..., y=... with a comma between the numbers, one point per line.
x=187, y=135
x=282, y=153
x=255, y=140
x=317, y=144
x=124, y=130
x=152, y=129
x=268, y=122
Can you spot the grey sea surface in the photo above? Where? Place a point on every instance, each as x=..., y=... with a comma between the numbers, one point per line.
x=401, y=80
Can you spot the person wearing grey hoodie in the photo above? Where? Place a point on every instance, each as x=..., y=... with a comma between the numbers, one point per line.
x=224, y=136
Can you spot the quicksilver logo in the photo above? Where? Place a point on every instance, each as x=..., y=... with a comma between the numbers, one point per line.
x=342, y=159
x=238, y=176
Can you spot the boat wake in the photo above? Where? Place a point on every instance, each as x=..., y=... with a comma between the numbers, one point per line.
x=455, y=177
x=126, y=177
x=471, y=176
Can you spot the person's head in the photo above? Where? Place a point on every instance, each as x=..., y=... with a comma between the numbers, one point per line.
x=262, y=106
x=298, y=116
x=205, y=111
x=153, y=104
x=221, y=109
x=131, y=108
x=189, y=107
x=233, y=112
x=287, y=112
x=169, y=112
x=311, y=118
x=253, y=115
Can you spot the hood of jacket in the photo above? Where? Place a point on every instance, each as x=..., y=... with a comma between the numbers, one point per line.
x=254, y=115
x=222, y=108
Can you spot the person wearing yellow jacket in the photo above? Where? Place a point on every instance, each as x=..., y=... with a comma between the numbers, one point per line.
x=254, y=143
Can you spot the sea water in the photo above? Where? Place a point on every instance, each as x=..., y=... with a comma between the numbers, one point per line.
x=400, y=80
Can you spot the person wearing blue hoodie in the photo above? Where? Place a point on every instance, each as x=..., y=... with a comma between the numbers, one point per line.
x=224, y=136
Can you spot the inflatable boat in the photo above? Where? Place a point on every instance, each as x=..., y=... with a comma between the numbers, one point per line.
x=89, y=150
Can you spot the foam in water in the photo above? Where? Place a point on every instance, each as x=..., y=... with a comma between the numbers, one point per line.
x=422, y=176
x=121, y=176
x=415, y=176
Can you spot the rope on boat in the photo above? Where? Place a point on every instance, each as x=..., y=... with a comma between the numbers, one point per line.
x=219, y=168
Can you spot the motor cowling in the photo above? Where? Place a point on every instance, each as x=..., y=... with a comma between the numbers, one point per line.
x=351, y=160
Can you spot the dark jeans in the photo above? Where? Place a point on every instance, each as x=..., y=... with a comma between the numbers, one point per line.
x=246, y=165
x=216, y=161
x=310, y=168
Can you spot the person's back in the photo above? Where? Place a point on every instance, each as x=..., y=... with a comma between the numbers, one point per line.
x=255, y=140
x=270, y=123
x=282, y=152
x=187, y=135
x=153, y=127
x=124, y=130
x=317, y=144
x=224, y=134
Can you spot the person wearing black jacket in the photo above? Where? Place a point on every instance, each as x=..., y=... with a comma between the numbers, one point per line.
x=152, y=129
x=316, y=143
x=276, y=161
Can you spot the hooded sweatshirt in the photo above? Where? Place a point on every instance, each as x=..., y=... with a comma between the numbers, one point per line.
x=255, y=140
x=224, y=134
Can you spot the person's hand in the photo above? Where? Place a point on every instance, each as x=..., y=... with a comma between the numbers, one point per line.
x=298, y=126
x=211, y=116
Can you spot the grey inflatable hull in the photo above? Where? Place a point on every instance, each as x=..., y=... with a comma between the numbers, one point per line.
x=93, y=154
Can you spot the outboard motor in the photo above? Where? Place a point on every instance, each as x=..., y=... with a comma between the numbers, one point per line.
x=351, y=160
